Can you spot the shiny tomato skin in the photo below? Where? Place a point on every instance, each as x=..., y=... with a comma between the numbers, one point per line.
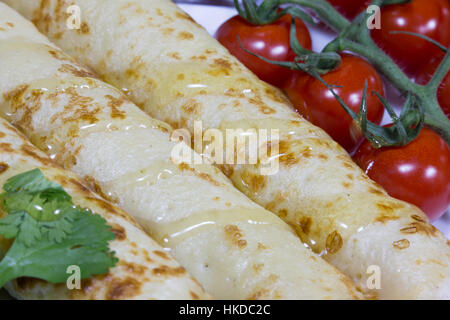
x=270, y=41
x=443, y=93
x=307, y=93
x=350, y=8
x=427, y=17
x=418, y=173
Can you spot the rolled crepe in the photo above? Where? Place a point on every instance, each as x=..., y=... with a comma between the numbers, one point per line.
x=233, y=247
x=176, y=72
x=144, y=270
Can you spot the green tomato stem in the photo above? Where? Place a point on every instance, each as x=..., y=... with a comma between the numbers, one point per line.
x=326, y=12
x=362, y=44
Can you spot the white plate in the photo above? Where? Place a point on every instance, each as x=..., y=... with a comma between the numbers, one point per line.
x=211, y=18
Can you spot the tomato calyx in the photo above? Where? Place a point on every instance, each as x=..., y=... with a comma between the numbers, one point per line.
x=268, y=12
x=306, y=60
x=404, y=129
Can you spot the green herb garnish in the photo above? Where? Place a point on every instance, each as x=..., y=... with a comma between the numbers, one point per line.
x=50, y=233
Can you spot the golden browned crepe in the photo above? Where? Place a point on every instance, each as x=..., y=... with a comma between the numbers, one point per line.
x=144, y=270
x=233, y=247
x=175, y=71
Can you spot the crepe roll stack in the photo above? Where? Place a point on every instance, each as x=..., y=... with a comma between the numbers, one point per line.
x=144, y=270
x=232, y=246
x=175, y=71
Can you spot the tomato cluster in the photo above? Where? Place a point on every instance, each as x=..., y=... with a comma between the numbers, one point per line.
x=418, y=172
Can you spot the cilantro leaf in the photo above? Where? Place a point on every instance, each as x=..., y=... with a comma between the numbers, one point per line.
x=50, y=233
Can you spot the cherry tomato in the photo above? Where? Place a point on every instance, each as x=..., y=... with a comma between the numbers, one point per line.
x=270, y=41
x=307, y=93
x=443, y=93
x=350, y=8
x=418, y=173
x=427, y=17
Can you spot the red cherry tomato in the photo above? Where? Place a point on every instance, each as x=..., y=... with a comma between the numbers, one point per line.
x=427, y=17
x=443, y=93
x=270, y=41
x=350, y=8
x=307, y=93
x=418, y=173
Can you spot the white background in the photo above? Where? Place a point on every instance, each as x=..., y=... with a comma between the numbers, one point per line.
x=212, y=17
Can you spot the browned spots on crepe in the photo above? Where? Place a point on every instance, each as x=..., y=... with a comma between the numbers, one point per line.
x=41, y=17
x=6, y=147
x=77, y=72
x=14, y=95
x=2, y=134
x=115, y=103
x=261, y=246
x=205, y=176
x=30, y=151
x=283, y=213
x=166, y=271
x=185, y=16
x=120, y=289
x=3, y=167
x=94, y=185
x=388, y=207
x=10, y=24
x=111, y=209
x=30, y=104
x=175, y=55
x=234, y=235
x=291, y=152
x=376, y=191
x=347, y=185
x=259, y=294
x=262, y=106
x=385, y=217
x=79, y=106
x=199, y=58
x=348, y=164
x=191, y=107
x=222, y=63
x=161, y=254
x=401, y=244
x=227, y=170
x=419, y=262
x=265, y=293
x=218, y=71
x=80, y=187
x=253, y=181
x=134, y=268
x=136, y=67
x=232, y=92
x=421, y=226
x=167, y=31
x=305, y=224
x=119, y=232
x=258, y=267
x=333, y=242
x=185, y=35
x=194, y=296
x=59, y=55
x=84, y=28
x=275, y=95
